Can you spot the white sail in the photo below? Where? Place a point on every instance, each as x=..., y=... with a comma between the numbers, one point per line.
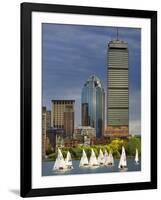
x=111, y=160
x=101, y=159
x=93, y=160
x=105, y=157
x=55, y=164
x=123, y=162
x=136, y=156
x=68, y=160
x=59, y=163
x=84, y=159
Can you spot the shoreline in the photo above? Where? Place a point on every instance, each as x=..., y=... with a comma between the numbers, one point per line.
x=51, y=160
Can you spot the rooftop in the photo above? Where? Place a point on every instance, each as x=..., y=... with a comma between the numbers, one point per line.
x=95, y=79
x=118, y=44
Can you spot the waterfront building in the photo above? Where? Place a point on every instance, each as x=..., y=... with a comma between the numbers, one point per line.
x=84, y=134
x=55, y=136
x=48, y=118
x=62, y=116
x=72, y=142
x=121, y=131
x=93, y=105
x=48, y=125
x=118, y=84
x=85, y=131
x=103, y=140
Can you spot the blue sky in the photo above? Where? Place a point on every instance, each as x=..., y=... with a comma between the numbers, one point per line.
x=71, y=53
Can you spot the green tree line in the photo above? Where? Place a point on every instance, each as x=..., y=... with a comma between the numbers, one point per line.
x=114, y=146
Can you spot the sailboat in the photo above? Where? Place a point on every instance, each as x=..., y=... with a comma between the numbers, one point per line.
x=136, y=157
x=93, y=162
x=68, y=161
x=84, y=160
x=101, y=159
x=105, y=157
x=59, y=163
x=110, y=159
x=123, y=163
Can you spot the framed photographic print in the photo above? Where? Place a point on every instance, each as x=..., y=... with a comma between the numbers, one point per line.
x=88, y=99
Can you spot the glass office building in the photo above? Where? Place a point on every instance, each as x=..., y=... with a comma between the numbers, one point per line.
x=93, y=105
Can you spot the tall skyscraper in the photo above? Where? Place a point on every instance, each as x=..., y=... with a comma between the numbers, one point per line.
x=69, y=121
x=117, y=84
x=93, y=105
x=63, y=116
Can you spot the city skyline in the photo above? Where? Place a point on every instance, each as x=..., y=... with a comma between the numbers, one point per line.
x=69, y=59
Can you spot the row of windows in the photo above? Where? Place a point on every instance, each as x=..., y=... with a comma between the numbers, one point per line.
x=118, y=72
x=117, y=112
x=118, y=65
x=118, y=102
x=63, y=102
x=119, y=123
x=115, y=57
x=118, y=83
x=58, y=126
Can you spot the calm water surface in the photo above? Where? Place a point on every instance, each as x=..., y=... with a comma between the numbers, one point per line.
x=48, y=165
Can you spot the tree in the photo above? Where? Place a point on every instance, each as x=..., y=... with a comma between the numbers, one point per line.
x=132, y=144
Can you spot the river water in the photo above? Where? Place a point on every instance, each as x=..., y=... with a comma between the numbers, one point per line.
x=48, y=165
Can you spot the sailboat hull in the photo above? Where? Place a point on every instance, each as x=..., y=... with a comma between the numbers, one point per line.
x=84, y=166
x=123, y=168
x=94, y=166
x=60, y=169
x=101, y=163
x=109, y=165
x=69, y=167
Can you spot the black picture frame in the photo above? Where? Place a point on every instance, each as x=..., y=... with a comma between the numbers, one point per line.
x=26, y=102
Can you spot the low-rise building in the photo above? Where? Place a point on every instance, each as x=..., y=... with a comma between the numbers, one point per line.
x=55, y=136
x=85, y=134
x=121, y=131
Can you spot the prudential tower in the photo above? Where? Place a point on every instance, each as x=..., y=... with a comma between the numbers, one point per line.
x=118, y=84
